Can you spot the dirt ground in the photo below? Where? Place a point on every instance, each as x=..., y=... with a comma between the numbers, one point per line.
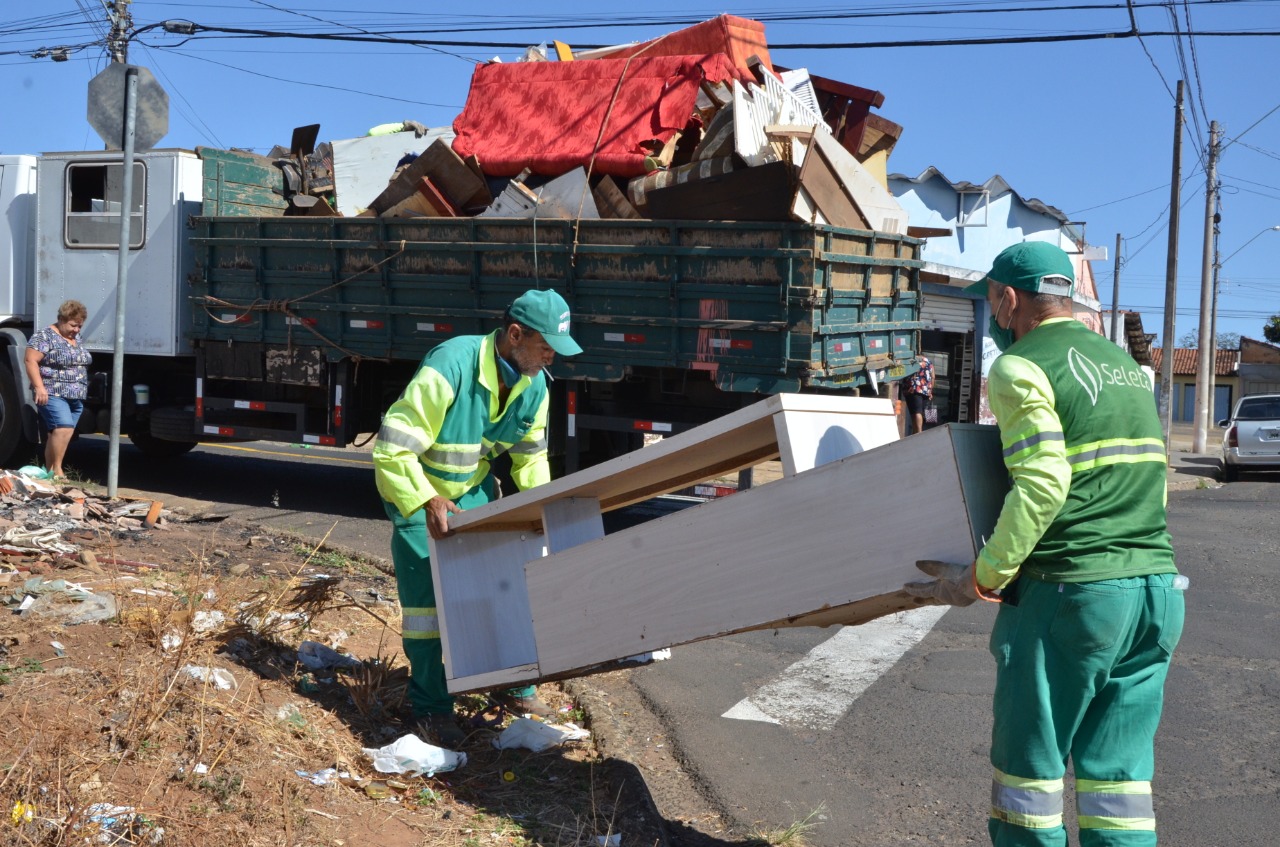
x=107, y=736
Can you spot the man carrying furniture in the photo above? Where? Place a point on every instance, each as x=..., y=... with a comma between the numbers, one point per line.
x=1091, y=603
x=473, y=398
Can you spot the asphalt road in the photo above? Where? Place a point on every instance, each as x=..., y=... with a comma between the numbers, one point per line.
x=878, y=735
x=903, y=760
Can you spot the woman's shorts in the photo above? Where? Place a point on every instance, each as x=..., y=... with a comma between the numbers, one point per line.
x=915, y=403
x=60, y=412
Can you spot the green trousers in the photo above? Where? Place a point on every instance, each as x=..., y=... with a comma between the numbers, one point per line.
x=420, y=625
x=1080, y=671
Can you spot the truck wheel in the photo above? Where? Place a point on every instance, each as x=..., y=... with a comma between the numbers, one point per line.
x=158, y=448
x=14, y=447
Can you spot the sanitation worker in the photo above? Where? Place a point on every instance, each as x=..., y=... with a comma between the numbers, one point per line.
x=1091, y=605
x=472, y=399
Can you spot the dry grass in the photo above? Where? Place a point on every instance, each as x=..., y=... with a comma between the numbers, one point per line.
x=118, y=721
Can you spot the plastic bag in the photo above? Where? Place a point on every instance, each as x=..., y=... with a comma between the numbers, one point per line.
x=930, y=413
x=538, y=736
x=411, y=755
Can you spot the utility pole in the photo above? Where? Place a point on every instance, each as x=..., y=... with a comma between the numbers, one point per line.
x=121, y=23
x=1115, y=296
x=1171, y=276
x=1208, y=344
x=1213, y=320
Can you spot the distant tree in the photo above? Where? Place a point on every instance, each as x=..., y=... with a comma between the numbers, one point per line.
x=1226, y=340
x=1271, y=330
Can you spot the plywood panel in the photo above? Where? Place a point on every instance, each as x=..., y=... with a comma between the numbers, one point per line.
x=482, y=601
x=837, y=535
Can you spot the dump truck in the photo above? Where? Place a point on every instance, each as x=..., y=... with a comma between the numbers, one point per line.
x=243, y=323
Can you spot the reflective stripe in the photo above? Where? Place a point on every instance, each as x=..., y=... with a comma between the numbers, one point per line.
x=455, y=458
x=1025, y=802
x=1114, y=452
x=1029, y=803
x=401, y=439
x=1129, y=824
x=1108, y=786
x=420, y=623
x=1031, y=441
x=528, y=447
x=1115, y=805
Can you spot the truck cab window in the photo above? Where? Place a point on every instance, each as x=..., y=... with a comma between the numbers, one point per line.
x=94, y=193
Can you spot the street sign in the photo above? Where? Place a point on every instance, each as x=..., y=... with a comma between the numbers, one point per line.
x=106, y=108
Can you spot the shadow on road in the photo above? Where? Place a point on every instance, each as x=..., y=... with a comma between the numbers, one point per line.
x=264, y=478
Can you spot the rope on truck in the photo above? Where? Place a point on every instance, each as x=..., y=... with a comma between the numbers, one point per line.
x=284, y=307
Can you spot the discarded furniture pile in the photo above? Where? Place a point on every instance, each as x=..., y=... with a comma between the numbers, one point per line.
x=695, y=125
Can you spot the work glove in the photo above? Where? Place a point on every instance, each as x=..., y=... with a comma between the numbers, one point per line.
x=954, y=585
x=419, y=130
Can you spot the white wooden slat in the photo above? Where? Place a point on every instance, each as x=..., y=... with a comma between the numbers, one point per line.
x=808, y=440
x=482, y=601
x=792, y=109
x=749, y=121
x=801, y=86
x=572, y=521
x=839, y=534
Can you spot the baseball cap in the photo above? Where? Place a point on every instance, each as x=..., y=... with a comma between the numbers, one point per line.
x=1035, y=266
x=548, y=313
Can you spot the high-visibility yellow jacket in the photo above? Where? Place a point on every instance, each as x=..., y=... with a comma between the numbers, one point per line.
x=1083, y=444
x=441, y=435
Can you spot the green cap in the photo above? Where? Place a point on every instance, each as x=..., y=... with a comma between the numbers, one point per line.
x=1035, y=266
x=546, y=312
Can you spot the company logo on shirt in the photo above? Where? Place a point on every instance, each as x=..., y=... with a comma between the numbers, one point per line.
x=1093, y=378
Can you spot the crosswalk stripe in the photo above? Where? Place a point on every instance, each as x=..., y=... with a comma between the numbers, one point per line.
x=815, y=692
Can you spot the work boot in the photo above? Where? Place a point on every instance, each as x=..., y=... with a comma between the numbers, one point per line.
x=441, y=728
x=524, y=705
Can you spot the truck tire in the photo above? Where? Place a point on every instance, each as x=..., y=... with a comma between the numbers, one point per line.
x=14, y=446
x=174, y=423
x=170, y=433
x=159, y=448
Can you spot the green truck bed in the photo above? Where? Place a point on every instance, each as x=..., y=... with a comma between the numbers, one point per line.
x=765, y=307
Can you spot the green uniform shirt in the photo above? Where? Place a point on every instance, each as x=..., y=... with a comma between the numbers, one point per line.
x=441, y=435
x=1083, y=443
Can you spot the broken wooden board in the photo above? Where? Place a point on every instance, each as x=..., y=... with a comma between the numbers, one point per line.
x=567, y=196
x=362, y=167
x=500, y=603
x=762, y=193
x=450, y=175
x=790, y=427
x=611, y=202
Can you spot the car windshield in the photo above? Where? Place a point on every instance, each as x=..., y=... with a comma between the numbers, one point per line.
x=1259, y=410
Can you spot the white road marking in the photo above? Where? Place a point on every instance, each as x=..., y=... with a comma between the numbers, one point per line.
x=815, y=692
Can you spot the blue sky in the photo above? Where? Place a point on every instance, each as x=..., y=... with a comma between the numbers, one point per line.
x=1085, y=126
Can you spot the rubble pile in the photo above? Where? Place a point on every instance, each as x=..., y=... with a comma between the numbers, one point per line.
x=46, y=527
x=697, y=124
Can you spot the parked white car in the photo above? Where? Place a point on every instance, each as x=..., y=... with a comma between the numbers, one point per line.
x=1252, y=438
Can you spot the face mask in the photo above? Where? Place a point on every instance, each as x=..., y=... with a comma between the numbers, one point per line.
x=1002, y=337
x=510, y=376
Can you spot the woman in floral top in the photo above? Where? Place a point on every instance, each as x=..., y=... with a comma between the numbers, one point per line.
x=57, y=366
x=919, y=392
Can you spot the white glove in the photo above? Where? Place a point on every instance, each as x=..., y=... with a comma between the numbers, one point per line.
x=954, y=586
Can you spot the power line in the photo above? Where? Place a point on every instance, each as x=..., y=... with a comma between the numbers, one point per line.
x=316, y=84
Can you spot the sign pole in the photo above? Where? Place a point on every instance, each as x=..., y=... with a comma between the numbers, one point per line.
x=122, y=274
